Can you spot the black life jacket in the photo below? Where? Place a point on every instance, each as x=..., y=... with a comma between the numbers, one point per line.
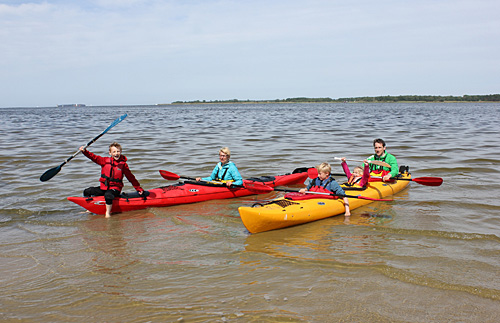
x=218, y=178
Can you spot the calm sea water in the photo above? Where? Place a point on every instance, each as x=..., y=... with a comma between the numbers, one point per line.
x=431, y=255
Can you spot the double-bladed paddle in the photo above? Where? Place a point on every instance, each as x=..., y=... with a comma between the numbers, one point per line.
x=53, y=171
x=254, y=187
x=270, y=189
x=428, y=181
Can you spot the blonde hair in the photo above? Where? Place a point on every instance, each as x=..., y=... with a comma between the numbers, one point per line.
x=115, y=144
x=225, y=150
x=324, y=168
x=358, y=169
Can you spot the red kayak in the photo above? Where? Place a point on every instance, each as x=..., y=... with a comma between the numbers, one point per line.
x=187, y=192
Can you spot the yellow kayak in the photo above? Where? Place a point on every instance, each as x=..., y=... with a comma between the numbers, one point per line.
x=285, y=212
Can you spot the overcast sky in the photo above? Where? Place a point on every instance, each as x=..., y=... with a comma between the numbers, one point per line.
x=106, y=52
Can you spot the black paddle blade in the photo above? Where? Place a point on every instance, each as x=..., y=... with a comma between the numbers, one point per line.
x=50, y=173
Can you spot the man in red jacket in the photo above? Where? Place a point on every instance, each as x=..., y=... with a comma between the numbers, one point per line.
x=112, y=170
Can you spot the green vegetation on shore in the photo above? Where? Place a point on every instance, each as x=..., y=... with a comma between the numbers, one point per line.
x=375, y=99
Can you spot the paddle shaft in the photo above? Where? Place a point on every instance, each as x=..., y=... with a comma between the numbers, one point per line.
x=374, y=162
x=255, y=188
x=173, y=176
x=427, y=181
x=79, y=151
x=53, y=171
x=333, y=194
x=221, y=183
x=114, y=123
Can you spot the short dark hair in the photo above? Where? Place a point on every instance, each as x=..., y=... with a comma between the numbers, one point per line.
x=380, y=141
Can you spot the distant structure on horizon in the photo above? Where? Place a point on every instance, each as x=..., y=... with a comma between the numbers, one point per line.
x=74, y=105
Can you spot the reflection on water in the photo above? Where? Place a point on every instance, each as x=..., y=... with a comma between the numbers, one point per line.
x=326, y=243
x=429, y=255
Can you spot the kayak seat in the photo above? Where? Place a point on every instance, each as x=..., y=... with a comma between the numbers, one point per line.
x=352, y=188
x=404, y=169
x=301, y=170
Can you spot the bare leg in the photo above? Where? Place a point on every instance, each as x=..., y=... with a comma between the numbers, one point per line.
x=108, y=210
x=347, y=211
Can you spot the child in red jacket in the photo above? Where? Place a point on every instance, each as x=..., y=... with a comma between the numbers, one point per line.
x=359, y=177
x=112, y=170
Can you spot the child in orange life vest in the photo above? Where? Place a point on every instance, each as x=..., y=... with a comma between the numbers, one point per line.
x=360, y=176
x=112, y=171
x=324, y=182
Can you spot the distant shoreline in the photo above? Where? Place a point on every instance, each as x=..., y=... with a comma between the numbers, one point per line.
x=376, y=99
x=489, y=98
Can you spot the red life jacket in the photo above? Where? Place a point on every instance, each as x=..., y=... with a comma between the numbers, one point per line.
x=380, y=173
x=317, y=187
x=321, y=189
x=112, y=173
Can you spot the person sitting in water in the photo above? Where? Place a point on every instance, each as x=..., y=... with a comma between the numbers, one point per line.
x=325, y=182
x=382, y=155
x=112, y=171
x=225, y=170
x=359, y=176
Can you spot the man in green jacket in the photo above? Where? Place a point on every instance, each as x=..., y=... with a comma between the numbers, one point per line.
x=382, y=155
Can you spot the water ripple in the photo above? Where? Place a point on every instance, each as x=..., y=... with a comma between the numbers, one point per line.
x=431, y=253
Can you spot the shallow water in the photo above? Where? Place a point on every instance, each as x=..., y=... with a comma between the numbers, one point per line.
x=431, y=255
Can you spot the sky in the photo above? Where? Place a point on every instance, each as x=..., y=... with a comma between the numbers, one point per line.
x=134, y=52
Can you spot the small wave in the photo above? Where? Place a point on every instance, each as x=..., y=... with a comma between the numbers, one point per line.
x=412, y=278
x=441, y=234
x=460, y=170
x=467, y=204
x=5, y=219
x=441, y=172
x=13, y=213
x=480, y=160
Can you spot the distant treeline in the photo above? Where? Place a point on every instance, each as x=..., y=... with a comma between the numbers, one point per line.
x=386, y=98
x=297, y=100
x=424, y=98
